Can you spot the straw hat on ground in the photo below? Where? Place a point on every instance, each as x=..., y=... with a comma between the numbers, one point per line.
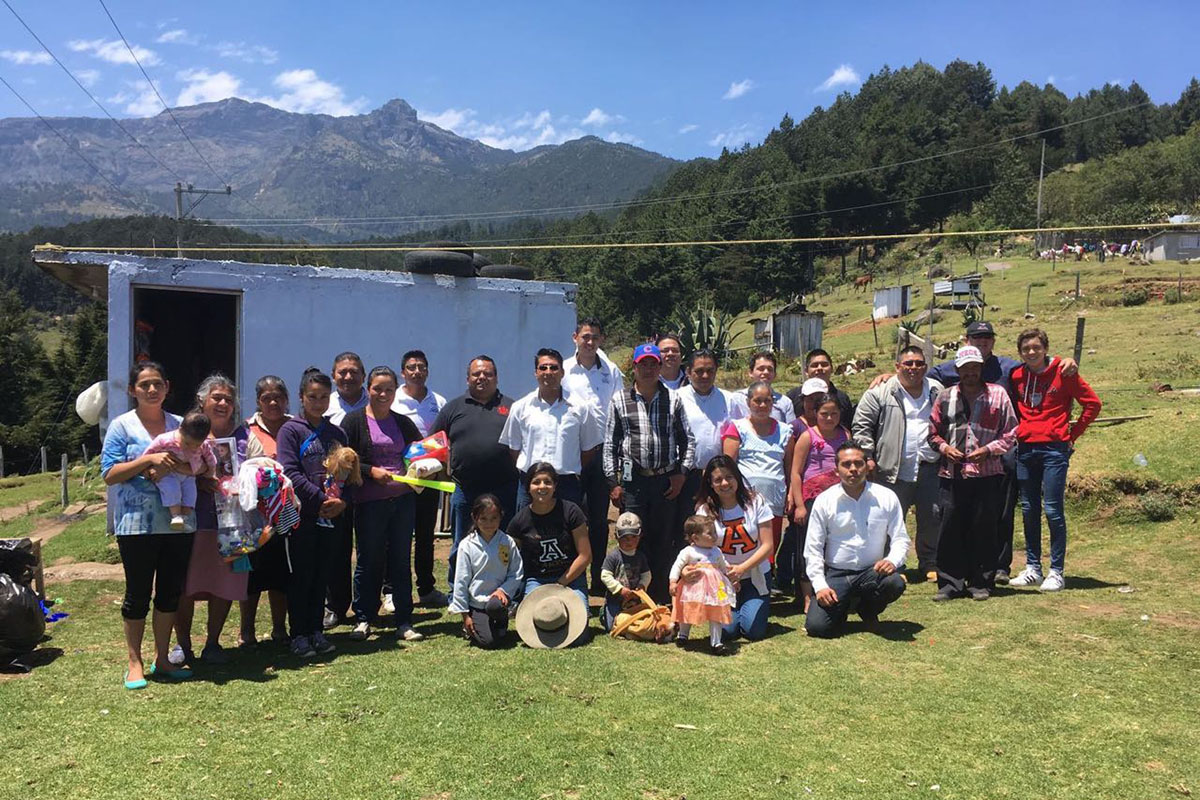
x=551, y=616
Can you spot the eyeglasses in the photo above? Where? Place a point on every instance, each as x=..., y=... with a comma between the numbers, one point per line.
x=548, y=368
x=912, y=363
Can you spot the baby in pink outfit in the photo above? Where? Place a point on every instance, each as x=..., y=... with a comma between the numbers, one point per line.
x=189, y=443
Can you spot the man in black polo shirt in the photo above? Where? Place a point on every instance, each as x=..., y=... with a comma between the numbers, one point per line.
x=479, y=463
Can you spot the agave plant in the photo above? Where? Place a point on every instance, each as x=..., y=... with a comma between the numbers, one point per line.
x=705, y=328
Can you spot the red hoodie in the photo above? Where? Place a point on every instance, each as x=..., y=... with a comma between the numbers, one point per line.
x=1043, y=403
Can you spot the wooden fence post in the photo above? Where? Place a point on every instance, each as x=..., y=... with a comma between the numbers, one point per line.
x=1079, y=323
x=1028, y=291
x=1076, y=284
x=1, y=462
x=65, y=498
x=45, y=469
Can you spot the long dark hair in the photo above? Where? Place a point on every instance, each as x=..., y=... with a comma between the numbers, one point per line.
x=707, y=496
x=485, y=502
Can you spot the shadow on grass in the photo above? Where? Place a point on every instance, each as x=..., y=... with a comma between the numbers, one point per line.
x=260, y=664
x=19, y=665
x=1074, y=582
x=894, y=630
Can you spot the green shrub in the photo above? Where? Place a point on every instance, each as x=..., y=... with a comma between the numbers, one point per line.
x=1158, y=507
x=1135, y=297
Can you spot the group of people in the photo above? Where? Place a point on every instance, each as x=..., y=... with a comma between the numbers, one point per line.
x=727, y=497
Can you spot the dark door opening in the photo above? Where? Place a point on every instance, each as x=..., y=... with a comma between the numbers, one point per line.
x=193, y=334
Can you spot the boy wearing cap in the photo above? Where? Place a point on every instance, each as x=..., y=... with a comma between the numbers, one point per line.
x=972, y=425
x=625, y=568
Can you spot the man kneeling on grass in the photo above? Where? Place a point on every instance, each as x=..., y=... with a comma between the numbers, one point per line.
x=847, y=552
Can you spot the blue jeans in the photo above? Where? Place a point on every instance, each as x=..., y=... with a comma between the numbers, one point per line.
x=873, y=592
x=1042, y=472
x=460, y=512
x=579, y=585
x=750, y=616
x=569, y=488
x=385, y=533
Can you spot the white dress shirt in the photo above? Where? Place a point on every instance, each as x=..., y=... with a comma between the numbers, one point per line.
x=706, y=416
x=421, y=412
x=596, y=386
x=556, y=432
x=916, y=432
x=339, y=408
x=845, y=533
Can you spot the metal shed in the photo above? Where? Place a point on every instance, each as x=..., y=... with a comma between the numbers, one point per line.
x=1173, y=245
x=795, y=330
x=892, y=301
x=965, y=291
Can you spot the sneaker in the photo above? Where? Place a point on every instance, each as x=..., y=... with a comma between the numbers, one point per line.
x=178, y=656
x=361, y=631
x=409, y=634
x=1054, y=582
x=979, y=593
x=321, y=644
x=214, y=654
x=301, y=646
x=433, y=599
x=178, y=523
x=1030, y=576
x=330, y=620
x=389, y=607
x=943, y=594
x=1002, y=578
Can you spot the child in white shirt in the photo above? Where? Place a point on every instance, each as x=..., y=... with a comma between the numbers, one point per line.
x=709, y=595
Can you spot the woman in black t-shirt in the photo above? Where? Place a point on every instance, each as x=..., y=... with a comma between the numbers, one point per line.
x=552, y=535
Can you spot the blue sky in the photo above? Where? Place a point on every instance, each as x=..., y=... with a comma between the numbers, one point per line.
x=682, y=79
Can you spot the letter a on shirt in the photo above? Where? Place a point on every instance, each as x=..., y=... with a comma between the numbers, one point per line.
x=551, y=552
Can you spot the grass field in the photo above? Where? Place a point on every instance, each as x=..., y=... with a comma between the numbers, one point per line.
x=1090, y=693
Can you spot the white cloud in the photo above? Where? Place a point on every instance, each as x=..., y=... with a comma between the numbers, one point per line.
x=734, y=137
x=144, y=104
x=598, y=118
x=88, y=77
x=452, y=119
x=737, y=89
x=844, y=75
x=305, y=93
x=1050, y=79
x=249, y=53
x=622, y=138
x=25, y=57
x=177, y=36
x=529, y=120
x=206, y=87
x=114, y=52
x=529, y=129
x=688, y=128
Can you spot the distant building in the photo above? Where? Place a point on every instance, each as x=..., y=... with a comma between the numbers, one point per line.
x=792, y=330
x=1173, y=245
x=965, y=291
x=893, y=301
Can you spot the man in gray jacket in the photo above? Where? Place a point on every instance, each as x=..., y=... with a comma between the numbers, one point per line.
x=891, y=425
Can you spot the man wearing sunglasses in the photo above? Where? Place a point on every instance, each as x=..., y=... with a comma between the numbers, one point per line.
x=891, y=425
x=546, y=425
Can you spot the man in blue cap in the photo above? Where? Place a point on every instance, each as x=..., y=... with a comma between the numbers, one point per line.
x=648, y=449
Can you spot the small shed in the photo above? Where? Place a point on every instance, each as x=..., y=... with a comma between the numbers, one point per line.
x=893, y=301
x=965, y=291
x=1172, y=245
x=795, y=330
x=247, y=320
x=762, y=331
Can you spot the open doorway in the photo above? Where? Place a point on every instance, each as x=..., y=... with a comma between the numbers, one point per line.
x=193, y=334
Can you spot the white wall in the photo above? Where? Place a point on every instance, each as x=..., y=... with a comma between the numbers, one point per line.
x=293, y=317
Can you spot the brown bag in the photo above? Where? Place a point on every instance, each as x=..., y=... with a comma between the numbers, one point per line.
x=644, y=622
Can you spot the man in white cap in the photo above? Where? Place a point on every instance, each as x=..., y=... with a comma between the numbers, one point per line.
x=972, y=425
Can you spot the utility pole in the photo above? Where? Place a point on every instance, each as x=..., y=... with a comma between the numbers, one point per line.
x=1041, y=176
x=180, y=190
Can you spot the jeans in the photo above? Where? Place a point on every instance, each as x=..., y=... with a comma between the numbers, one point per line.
x=874, y=593
x=569, y=488
x=157, y=561
x=644, y=496
x=923, y=493
x=579, y=585
x=1042, y=471
x=310, y=552
x=596, y=502
x=385, y=531
x=460, y=512
x=750, y=616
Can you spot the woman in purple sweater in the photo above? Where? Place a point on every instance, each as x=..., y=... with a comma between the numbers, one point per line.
x=304, y=442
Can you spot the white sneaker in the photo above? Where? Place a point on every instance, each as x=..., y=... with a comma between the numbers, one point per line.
x=1028, y=577
x=177, y=523
x=1054, y=582
x=388, y=606
x=408, y=634
x=176, y=656
x=361, y=631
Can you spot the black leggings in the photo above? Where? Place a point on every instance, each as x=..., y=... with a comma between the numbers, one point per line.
x=158, y=561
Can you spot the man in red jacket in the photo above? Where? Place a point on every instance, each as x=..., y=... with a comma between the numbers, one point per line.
x=1046, y=438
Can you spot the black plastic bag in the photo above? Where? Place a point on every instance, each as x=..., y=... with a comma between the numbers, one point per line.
x=22, y=624
x=17, y=560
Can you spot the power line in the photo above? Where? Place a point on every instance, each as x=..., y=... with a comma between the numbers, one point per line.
x=76, y=150
x=313, y=221
x=89, y=94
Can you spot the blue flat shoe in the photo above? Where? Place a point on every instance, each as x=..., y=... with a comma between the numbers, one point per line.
x=134, y=685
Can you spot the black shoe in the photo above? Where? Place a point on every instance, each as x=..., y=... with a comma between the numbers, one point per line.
x=943, y=595
x=979, y=594
x=718, y=649
x=681, y=642
x=868, y=617
x=1002, y=578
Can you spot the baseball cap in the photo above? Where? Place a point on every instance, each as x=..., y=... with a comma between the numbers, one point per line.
x=813, y=386
x=646, y=350
x=981, y=328
x=968, y=355
x=628, y=523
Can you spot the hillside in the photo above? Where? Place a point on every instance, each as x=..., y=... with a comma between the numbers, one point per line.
x=384, y=163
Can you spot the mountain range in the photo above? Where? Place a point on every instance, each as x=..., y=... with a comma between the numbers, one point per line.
x=386, y=163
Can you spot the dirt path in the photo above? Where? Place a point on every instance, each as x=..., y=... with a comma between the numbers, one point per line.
x=84, y=571
x=10, y=513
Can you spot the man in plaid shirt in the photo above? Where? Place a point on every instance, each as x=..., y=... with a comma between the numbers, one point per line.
x=972, y=425
x=648, y=450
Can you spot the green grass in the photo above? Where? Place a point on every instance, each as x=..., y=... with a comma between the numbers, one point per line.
x=18, y=490
x=1064, y=696
x=84, y=540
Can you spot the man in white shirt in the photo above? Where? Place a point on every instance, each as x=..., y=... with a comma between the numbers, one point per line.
x=855, y=548
x=892, y=425
x=545, y=425
x=351, y=395
x=762, y=368
x=589, y=375
x=421, y=404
